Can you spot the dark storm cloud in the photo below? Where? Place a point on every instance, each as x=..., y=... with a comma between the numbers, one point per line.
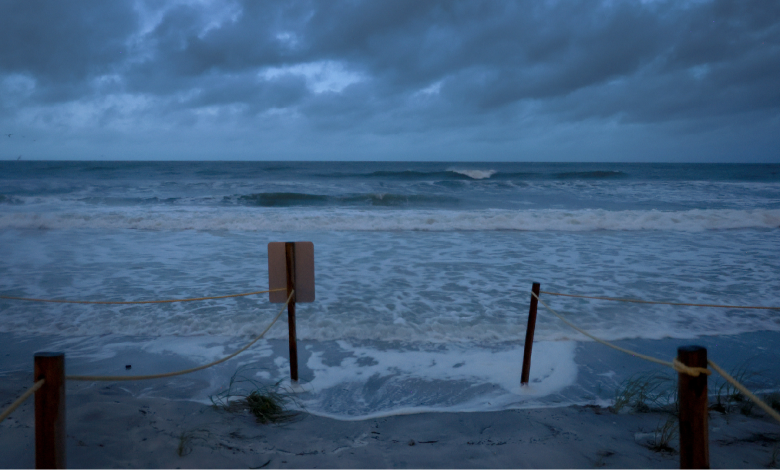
x=63, y=44
x=402, y=65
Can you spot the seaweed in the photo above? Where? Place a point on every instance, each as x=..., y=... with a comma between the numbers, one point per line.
x=269, y=403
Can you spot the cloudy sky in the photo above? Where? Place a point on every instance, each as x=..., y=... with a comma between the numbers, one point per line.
x=449, y=80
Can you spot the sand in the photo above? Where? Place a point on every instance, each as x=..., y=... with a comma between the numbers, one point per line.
x=110, y=425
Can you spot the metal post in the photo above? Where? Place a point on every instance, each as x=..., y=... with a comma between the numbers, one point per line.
x=692, y=396
x=50, y=410
x=289, y=251
x=529, y=336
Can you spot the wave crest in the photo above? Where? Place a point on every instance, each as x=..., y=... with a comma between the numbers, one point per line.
x=475, y=174
x=343, y=219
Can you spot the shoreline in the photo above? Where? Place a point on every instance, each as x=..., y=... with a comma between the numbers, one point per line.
x=147, y=424
x=107, y=426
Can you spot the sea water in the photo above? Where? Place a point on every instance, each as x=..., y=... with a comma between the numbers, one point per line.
x=423, y=270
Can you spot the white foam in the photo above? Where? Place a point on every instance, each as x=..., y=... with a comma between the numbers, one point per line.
x=475, y=174
x=252, y=219
x=370, y=382
x=438, y=287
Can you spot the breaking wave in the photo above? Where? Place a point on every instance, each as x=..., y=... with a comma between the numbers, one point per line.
x=412, y=175
x=370, y=199
x=472, y=174
x=475, y=174
x=343, y=219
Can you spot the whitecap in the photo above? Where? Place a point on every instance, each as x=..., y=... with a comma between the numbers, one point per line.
x=475, y=174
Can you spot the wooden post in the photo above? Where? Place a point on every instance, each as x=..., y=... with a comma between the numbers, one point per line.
x=50, y=410
x=692, y=397
x=529, y=336
x=289, y=252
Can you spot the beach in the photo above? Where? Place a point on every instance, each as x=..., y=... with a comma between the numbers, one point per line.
x=109, y=427
x=423, y=274
x=166, y=423
x=390, y=234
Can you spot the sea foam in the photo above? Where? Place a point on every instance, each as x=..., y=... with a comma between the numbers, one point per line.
x=265, y=219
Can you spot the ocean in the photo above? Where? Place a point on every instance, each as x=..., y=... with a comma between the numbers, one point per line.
x=423, y=272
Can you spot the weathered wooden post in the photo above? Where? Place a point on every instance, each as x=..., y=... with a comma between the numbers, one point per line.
x=289, y=252
x=692, y=396
x=50, y=410
x=529, y=335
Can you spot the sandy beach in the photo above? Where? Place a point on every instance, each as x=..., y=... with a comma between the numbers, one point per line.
x=110, y=426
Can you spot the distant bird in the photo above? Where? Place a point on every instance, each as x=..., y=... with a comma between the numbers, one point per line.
x=20, y=157
x=9, y=135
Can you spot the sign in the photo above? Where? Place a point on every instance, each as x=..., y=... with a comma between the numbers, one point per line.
x=303, y=260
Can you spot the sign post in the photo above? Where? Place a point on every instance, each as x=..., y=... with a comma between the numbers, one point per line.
x=291, y=267
x=289, y=252
x=529, y=336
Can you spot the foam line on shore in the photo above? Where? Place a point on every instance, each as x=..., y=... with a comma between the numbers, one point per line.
x=361, y=381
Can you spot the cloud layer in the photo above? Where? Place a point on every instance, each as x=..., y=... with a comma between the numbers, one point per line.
x=616, y=80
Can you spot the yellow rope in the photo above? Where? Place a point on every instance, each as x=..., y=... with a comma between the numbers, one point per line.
x=599, y=340
x=692, y=371
x=745, y=391
x=138, y=301
x=181, y=372
x=637, y=301
x=675, y=364
x=21, y=399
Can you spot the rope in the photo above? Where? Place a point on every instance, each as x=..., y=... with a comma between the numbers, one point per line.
x=111, y=378
x=675, y=364
x=690, y=370
x=745, y=391
x=606, y=343
x=138, y=301
x=637, y=301
x=21, y=399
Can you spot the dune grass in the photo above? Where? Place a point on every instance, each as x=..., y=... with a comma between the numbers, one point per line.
x=663, y=435
x=644, y=392
x=657, y=391
x=728, y=398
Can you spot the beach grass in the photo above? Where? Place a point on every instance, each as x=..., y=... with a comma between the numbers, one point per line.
x=645, y=392
x=664, y=434
x=728, y=398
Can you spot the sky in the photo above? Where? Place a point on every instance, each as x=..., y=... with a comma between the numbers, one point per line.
x=670, y=81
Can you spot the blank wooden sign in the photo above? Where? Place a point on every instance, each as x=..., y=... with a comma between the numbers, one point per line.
x=304, y=272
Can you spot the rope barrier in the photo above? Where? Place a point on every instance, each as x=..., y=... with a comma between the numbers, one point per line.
x=606, y=343
x=745, y=391
x=138, y=301
x=675, y=364
x=117, y=378
x=637, y=301
x=21, y=399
